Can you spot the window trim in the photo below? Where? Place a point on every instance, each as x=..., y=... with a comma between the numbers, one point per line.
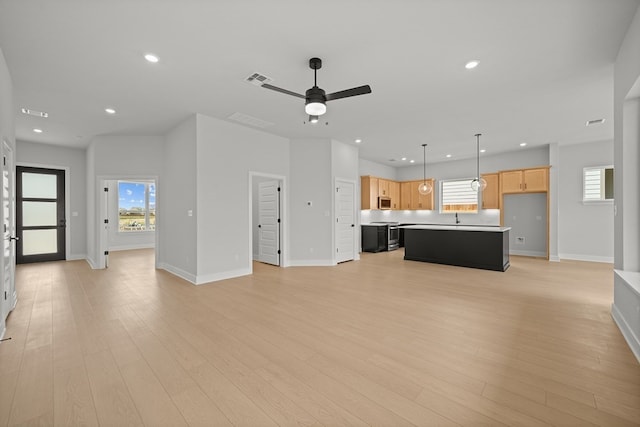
x=466, y=211
x=602, y=201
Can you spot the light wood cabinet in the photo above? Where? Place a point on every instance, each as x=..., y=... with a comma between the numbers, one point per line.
x=421, y=201
x=383, y=188
x=534, y=180
x=405, y=195
x=368, y=192
x=394, y=193
x=491, y=194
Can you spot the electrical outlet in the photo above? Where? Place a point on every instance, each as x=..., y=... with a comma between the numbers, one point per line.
x=520, y=240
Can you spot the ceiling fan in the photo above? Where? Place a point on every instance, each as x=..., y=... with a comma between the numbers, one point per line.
x=315, y=97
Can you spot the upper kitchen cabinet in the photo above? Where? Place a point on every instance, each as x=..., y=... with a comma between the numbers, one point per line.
x=534, y=180
x=394, y=193
x=368, y=192
x=405, y=195
x=383, y=188
x=421, y=201
x=491, y=194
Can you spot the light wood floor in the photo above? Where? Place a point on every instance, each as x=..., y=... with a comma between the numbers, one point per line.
x=381, y=342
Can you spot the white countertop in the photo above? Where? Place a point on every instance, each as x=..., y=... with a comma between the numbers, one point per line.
x=494, y=229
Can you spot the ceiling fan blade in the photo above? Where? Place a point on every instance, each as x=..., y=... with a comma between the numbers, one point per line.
x=278, y=89
x=361, y=90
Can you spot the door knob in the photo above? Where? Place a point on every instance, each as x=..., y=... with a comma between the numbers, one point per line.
x=259, y=225
x=14, y=238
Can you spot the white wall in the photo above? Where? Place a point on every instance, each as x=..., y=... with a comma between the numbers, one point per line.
x=585, y=231
x=367, y=167
x=7, y=132
x=126, y=157
x=626, y=301
x=177, y=231
x=226, y=153
x=311, y=202
x=74, y=159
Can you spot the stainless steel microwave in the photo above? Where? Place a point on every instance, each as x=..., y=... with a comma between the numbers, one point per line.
x=384, y=202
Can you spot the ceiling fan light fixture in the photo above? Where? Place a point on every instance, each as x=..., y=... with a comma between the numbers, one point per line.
x=314, y=108
x=313, y=119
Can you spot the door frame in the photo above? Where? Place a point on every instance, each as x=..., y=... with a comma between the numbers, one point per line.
x=101, y=233
x=67, y=204
x=12, y=299
x=356, y=220
x=284, y=224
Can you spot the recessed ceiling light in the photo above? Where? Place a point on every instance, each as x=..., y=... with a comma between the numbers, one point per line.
x=151, y=58
x=358, y=141
x=37, y=130
x=412, y=161
x=35, y=113
x=403, y=159
x=110, y=110
x=483, y=151
x=448, y=156
x=523, y=144
x=471, y=64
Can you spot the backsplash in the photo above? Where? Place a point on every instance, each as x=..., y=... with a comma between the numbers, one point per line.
x=484, y=217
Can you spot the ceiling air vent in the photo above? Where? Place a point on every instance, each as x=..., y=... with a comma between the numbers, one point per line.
x=258, y=79
x=595, y=122
x=250, y=120
x=34, y=113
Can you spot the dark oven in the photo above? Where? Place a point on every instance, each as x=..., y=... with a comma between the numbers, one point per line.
x=393, y=234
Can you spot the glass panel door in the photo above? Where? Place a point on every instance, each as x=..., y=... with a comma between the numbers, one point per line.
x=40, y=214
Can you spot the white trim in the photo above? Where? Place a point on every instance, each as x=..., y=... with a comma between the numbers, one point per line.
x=215, y=277
x=130, y=247
x=178, y=272
x=2, y=334
x=536, y=254
x=627, y=332
x=312, y=263
x=76, y=257
x=589, y=258
x=284, y=220
x=554, y=258
x=91, y=263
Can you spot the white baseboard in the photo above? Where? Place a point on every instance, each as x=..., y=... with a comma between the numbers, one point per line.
x=627, y=332
x=131, y=247
x=554, y=258
x=91, y=263
x=76, y=257
x=589, y=258
x=214, y=277
x=178, y=272
x=2, y=332
x=311, y=263
x=528, y=253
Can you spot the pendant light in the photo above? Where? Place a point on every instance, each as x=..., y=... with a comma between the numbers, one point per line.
x=424, y=187
x=478, y=184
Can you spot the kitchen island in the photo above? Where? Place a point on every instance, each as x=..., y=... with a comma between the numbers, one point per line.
x=482, y=247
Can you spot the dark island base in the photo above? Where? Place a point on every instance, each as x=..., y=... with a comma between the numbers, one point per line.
x=476, y=249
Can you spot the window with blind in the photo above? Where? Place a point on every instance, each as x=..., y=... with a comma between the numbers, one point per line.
x=597, y=184
x=456, y=195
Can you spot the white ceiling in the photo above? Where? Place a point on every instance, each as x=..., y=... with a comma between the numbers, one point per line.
x=546, y=67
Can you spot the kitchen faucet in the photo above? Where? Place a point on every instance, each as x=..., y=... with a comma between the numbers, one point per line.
x=457, y=220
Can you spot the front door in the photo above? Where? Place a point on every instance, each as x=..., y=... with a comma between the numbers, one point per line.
x=345, y=221
x=8, y=248
x=40, y=214
x=269, y=222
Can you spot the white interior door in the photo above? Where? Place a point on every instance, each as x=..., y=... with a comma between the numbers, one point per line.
x=8, y=296
x=269, y=222
x=345, y=221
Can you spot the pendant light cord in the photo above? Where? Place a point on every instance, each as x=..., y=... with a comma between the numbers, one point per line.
x=478, y=157
x=424, y=164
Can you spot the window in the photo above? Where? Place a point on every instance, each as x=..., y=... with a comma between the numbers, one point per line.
x=597, y=184
x=456, y=195
x=136, y=206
